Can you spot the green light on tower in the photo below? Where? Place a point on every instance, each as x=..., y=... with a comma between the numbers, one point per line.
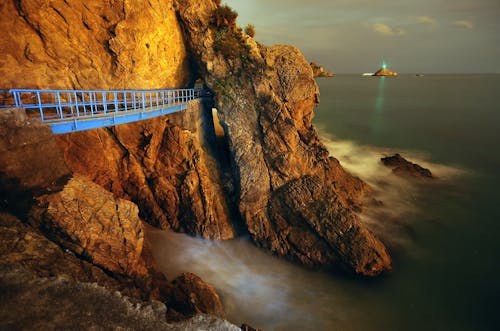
x=384, y=65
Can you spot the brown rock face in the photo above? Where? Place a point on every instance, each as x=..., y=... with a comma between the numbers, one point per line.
x=89, y=221
x=166, y=165
x=80, y=230
x=22, y=245
x=91, y=45
x=294, y=198
x=30, y=161
x=190, y=295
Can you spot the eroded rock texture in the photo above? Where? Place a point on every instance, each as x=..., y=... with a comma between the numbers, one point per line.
x=167, y=165
x=33, y=303
x=295, y=199
x=78, y=229
x=91, y=45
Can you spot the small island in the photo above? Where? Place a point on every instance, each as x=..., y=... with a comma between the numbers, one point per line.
x=319, y=71
x=383, y=71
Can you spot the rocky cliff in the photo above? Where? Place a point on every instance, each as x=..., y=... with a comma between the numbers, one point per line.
x=294, y=199
x=268, y=174
x=69, y=226
x=91, y=45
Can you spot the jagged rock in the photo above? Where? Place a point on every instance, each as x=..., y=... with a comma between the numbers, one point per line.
x=22, y=245
x=30, y=161
x=90, y=222
x=319, y=71
x=29, y=302
x=94, y=236
x=81, y=45
x=246, y=327
x=190, y=295
x=168, y=166
x=265, y=99
x=402, y=167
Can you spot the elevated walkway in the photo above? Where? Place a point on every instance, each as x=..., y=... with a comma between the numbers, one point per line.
x=68, y=111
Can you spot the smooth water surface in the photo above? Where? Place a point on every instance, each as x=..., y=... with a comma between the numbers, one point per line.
x=442, y=235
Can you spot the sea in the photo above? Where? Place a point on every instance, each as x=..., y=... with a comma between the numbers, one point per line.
x=443, y=234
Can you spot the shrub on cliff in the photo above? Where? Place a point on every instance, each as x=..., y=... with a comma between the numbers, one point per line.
x=250, y=30
x=230, y=44
x=224, y=16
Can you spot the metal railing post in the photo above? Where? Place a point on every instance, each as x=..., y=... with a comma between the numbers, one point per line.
x=104, y=102
x=116, y=101
x=40, y=104
x=76, y=104
x=59, y=104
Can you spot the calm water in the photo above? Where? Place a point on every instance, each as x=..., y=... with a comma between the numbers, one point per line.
x=443, y=236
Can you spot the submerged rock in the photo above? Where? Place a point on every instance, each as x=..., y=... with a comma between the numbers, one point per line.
x=294, y=199
x=402, y=167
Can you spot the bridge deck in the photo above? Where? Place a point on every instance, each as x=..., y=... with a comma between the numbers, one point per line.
x=76, y=110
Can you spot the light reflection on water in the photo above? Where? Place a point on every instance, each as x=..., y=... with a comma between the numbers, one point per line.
x=379, y=107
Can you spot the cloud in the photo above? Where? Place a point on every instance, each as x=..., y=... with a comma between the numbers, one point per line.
x=425, y=20
x=463, y=24
x=386, y=30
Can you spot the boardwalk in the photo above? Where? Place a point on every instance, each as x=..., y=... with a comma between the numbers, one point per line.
x=77, y=110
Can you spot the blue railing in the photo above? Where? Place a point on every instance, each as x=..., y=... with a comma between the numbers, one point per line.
x=76, y=110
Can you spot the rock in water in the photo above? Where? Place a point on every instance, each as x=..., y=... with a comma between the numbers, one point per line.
x=190, y=295
x=385, y=72
x=294, y=199
x=402, y=167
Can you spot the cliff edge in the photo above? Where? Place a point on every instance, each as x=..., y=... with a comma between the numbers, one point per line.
x=294, y=198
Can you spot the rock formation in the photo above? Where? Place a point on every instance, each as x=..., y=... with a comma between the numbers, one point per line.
x=78, y=229
x=168, y=166
x=319, y=71
x=33, y=303
x=402, y=167
x=294, y=199
x=385, y=72
x=91, y=45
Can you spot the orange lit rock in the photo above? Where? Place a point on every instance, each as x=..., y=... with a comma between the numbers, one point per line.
x=385, y=72
x=165, y=165
x=91, y=45
x=294, y=199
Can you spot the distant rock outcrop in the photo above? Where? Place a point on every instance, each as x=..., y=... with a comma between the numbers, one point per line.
x=385, y=72
x=402, y=167
x=319, y=71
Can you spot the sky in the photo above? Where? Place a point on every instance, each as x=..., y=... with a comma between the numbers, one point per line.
x=355, y=36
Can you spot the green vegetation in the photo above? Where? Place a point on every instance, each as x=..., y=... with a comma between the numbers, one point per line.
x=229, y=43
